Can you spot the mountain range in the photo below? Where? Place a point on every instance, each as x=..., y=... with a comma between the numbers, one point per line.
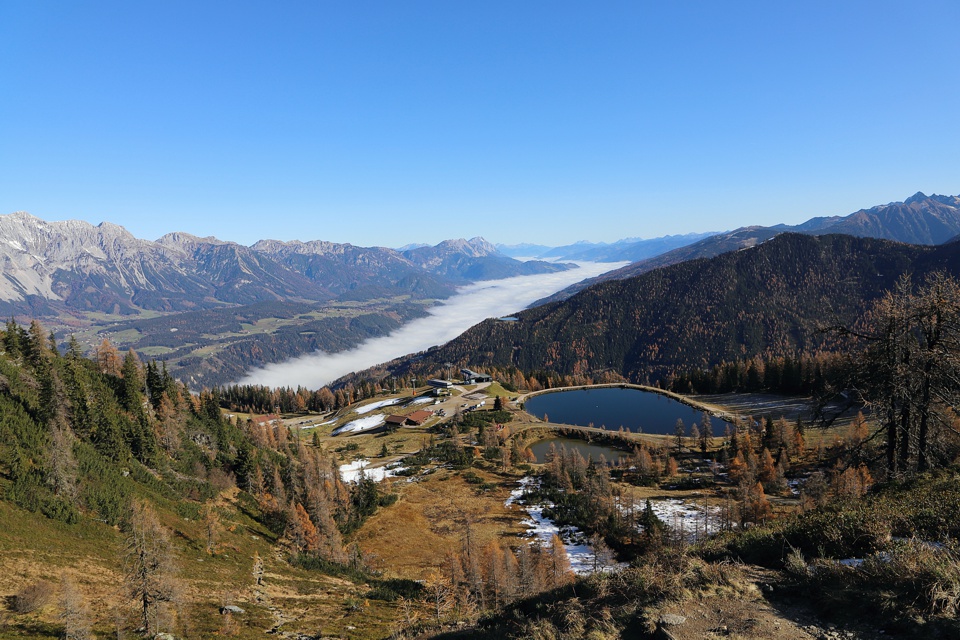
x=214, y=308
x=50, y=268
x=627, y=249
x=920, y=219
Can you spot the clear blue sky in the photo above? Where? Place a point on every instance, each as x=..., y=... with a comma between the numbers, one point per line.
x=384, y=123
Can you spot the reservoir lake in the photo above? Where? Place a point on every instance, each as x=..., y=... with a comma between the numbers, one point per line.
x=613, y=407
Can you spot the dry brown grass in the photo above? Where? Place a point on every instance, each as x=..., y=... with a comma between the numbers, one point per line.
x=35, y=549
x=429, y=520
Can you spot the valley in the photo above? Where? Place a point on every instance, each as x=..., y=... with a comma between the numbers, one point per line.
x=219, y=346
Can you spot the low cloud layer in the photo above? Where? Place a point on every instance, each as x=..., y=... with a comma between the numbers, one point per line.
x=472, y=304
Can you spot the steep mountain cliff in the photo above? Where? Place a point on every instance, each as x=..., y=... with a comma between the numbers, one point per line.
x=73, y=264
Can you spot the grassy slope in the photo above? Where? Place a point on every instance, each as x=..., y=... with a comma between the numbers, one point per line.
x=34, y=548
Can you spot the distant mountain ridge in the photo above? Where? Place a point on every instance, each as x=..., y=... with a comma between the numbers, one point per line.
x=626, y=249
x=475, y=259
x=920, y=219
x=47, y=268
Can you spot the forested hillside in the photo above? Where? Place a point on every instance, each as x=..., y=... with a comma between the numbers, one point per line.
x=770, y=299
x=113, y=454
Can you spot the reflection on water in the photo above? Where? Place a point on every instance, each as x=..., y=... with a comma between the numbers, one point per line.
x=541, y=449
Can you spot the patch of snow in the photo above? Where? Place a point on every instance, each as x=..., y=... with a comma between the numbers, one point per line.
x=851, y=562
x=517, y=493
x=795, y=485
x=543, y=529
x=16, y=245
x=361, y=424
x=689, y=519
x=367, y=408
x=351, y=472
x=421, y=400
x=323, y=424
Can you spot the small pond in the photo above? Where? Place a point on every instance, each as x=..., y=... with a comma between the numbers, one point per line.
x=541, y=448
x=613, y=407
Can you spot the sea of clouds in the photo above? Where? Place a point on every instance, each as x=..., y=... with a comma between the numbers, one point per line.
x=471, y=304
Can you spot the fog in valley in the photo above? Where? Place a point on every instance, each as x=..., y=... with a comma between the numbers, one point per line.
x=471, y=304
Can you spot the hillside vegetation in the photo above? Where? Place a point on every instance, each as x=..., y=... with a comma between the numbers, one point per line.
x=152, y=511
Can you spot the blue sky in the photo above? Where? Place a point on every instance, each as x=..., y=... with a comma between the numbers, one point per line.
x=384, y=123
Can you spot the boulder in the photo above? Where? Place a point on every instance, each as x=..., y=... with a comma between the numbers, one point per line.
x=231, y=608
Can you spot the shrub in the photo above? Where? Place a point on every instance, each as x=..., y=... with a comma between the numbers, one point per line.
x=472, y=478
x=388, y=499
x=394, y=589
x=916, y=583
x=311, y=562
x=33, y=597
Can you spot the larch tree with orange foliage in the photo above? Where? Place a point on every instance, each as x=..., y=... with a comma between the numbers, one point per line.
x=301, y=530
x=559, y=572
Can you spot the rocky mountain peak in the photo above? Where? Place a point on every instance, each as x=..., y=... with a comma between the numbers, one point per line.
x=919, y=196
x=187, y=241
x=475, y=247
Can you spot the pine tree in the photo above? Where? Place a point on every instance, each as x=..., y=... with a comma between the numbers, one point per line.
x=767, y=469
x=601, y=554
x=672, y=469
x=61, y=463
x=440, y=594
x=108, y=358
x=13, y=339
x=133, y=383
x=653, y=527
x=301, y=531
x=706, y=433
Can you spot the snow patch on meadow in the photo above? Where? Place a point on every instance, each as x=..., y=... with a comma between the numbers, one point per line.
x=367, y=408
x=542, y=528
x=351, y=472
x=361, y=424
x=689, y=519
